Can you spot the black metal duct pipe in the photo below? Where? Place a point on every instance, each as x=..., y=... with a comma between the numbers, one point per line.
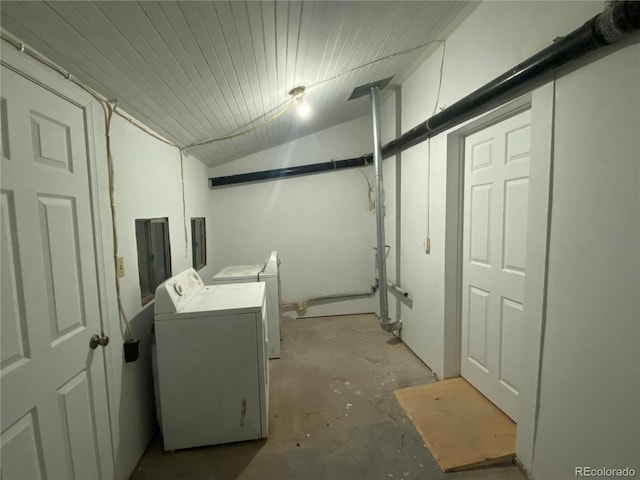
x=616, y=21
x=292, y=171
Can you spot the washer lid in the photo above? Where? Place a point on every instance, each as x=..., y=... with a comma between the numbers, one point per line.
x=238, y=272
x=224, y=299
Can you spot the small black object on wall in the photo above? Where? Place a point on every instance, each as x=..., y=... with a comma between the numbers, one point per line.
x=131, y=350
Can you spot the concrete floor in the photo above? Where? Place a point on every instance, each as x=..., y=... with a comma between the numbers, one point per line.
x=333, y=415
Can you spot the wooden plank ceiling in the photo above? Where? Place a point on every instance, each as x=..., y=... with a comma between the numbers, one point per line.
x=194, y=71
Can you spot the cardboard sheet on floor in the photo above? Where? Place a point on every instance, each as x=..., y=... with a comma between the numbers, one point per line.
x=459, y=425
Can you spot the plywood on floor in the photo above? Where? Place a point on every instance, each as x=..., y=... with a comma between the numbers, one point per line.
x=459, y=425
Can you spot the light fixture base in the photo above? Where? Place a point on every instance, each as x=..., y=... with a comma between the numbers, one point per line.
x=297, y=92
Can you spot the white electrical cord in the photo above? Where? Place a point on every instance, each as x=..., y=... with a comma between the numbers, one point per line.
x=372, y=203
x=435, y=108
x=184, y=207
x=128, y=333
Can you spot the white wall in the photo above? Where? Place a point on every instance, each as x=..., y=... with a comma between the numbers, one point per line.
x=147, y=185
x=581, y=350
x=320, y=224
x=590, y=375
x=495, y=37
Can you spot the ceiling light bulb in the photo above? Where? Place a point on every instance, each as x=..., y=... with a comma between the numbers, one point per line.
x=303, y=109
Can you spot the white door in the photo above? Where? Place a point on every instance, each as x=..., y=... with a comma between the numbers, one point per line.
x=496, y=185
x=55, y=420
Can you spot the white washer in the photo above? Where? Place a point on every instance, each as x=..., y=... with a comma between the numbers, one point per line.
x=268, y=272
x=212, y=367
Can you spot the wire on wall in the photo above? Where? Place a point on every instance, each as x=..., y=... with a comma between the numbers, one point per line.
x=435, y=109
x=184, y=207
x=372, y=203
x=128, y=333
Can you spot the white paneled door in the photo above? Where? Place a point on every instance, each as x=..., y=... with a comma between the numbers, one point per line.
x=54, y=405
x=496, y=185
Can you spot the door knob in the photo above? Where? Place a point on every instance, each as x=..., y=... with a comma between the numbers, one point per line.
x=101, y=340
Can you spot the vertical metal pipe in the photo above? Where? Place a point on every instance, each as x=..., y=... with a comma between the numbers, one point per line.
x=385, y=321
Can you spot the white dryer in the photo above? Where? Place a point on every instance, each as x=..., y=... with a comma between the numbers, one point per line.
x=268, y=272
x=212, y=367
